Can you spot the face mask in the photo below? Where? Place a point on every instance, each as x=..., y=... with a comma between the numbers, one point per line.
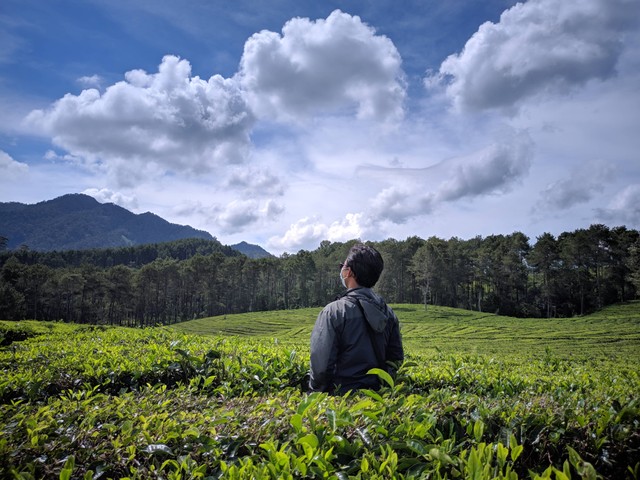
x=343, y=280
x=344, y=283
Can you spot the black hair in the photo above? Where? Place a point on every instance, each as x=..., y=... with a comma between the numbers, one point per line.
x=366, y=264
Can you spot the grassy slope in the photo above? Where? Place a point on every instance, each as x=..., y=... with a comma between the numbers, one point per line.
x=612, y=332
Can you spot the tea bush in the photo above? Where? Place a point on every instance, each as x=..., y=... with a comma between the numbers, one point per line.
x=102, y=402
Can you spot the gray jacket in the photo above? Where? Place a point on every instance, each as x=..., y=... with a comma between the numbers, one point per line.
x=341, y=347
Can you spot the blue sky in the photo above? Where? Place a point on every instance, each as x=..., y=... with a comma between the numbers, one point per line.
x=287, y=123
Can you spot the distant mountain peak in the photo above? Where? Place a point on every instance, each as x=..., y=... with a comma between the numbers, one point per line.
x=76, y=221
x=251, y=251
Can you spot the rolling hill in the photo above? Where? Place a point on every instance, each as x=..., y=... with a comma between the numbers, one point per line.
x=613, y=331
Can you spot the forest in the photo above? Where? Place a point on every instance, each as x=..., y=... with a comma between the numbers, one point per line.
x=575, y=273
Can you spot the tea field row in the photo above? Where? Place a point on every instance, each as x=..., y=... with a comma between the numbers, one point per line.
x=479, y=397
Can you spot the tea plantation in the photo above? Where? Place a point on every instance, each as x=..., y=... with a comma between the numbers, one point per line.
x=479, y=397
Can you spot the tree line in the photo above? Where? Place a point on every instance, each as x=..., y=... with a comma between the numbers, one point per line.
x=576, y=273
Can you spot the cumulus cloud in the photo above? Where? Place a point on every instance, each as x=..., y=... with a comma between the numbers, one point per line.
x=104, y=195
x=580, y=186
x=308, y=232
x=401, y=203
x=492, y=170
x=152, y=123
x=91, y=81
x=418, y=191
x=624, y=208
x=170, y=123
x=250, y=203
x=415, y=192
x=10, y=169
x=55, y=157
x=241, y=214
x=323, y=66
x=237, y=215
x=354, y=225
x=256, y=181
x=272, y=209
x=538, y=46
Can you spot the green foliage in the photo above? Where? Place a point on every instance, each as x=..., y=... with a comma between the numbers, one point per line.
x=578, y=273
x=82, y=401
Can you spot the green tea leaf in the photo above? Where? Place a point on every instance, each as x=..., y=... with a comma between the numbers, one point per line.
x=296, y=422
x=478, y=430
x=310, y=439
x=382, y=375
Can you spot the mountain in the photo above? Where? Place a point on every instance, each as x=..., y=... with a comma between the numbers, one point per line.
x=80, y=222
x=251, y=251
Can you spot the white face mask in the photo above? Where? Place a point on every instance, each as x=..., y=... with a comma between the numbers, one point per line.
x=342, y=279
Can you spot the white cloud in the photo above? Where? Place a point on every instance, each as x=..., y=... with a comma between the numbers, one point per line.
x=272, y=209
x=492, y=170
x=624, y=208
x=416, y=192
x=92, y=81
x=151, y=124
x=104, y=195
x=256, y=181
x=10, y=169
x=580, y=186
x=215, y=154
x=401, y=203
x=324, y=66
x=538, y=46
x=308, y=232
x=352, y=226
x=55, y=157
x=392, y=196
x=236, y=215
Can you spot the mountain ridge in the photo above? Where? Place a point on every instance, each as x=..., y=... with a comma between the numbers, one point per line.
x=77, y=221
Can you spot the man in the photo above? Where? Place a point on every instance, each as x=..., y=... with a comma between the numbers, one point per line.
x=356, y=332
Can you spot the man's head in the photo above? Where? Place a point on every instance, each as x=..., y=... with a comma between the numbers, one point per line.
x=365, y=263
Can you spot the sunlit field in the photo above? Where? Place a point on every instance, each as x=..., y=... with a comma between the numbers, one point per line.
x=480, y=396
x=613, y=332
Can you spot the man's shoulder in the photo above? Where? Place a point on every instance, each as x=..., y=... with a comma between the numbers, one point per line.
x=339, y=303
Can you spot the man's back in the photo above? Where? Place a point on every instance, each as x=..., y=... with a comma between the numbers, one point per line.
x=352, y=335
